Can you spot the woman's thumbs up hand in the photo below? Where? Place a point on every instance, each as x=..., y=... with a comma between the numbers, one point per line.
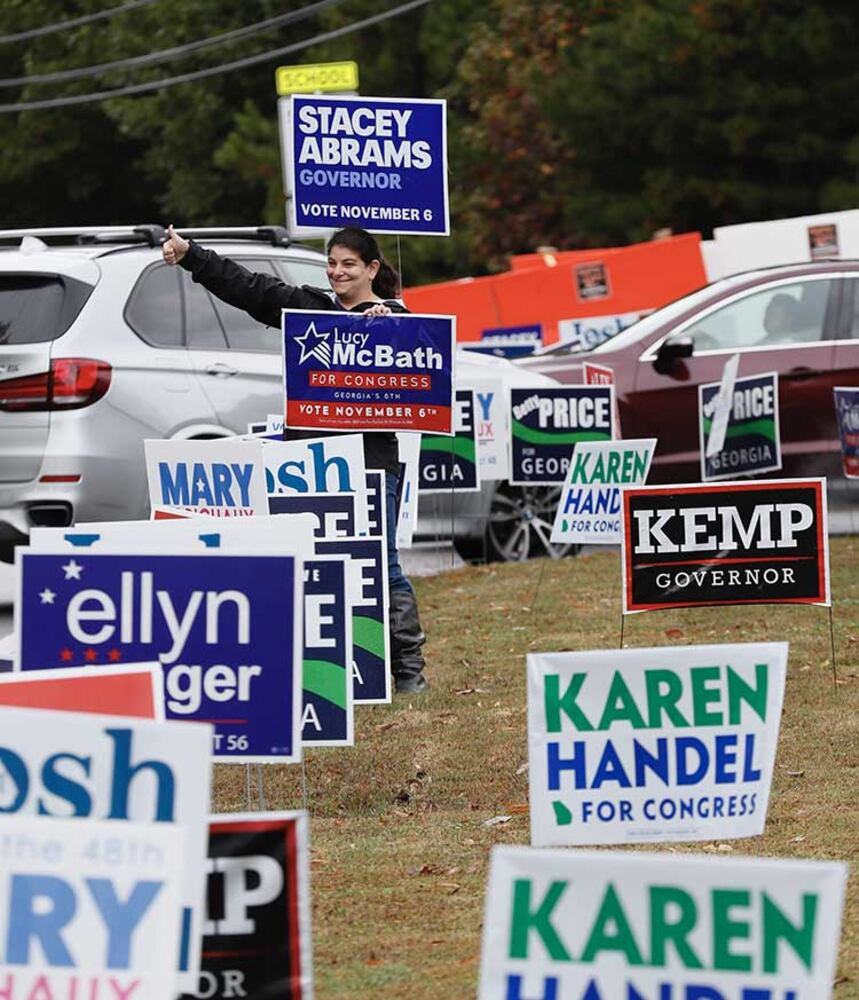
x=174, y=247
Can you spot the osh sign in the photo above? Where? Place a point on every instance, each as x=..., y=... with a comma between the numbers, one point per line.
x=447, y=463
x=546, y=424
x=591, y=331
x=644, y=745
x=137, y=771
x=589, y=508
x=378, y=163
x=89, y=909
x=346, y=372
x=257, y=937
x=751, y=441
x=580, y=925
x=225, y=628
x=219, y=478
x=847, y=412
x=728, y=543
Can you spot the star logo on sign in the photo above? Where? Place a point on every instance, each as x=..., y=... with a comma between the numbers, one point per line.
x=72, y=570
x=66, y=654
x=90, y=655
x=114, y=655
x=47, y=596
x=315, y=345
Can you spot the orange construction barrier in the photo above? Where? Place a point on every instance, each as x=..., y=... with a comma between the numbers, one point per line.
x=558, y=288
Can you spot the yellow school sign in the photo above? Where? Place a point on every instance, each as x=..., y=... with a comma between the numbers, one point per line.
x=333, y=77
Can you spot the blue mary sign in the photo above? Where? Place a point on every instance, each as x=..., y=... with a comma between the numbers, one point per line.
x=226, y=630
x=373, y=162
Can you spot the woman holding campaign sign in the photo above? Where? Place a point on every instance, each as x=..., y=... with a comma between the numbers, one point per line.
x=362, y=281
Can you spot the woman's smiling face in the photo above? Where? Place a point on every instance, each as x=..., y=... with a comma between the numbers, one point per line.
x=350, y=278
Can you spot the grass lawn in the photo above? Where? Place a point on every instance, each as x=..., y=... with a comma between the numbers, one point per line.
x=399, y=846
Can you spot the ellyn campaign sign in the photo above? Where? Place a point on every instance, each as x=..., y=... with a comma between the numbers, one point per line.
x=545, y=425
x=582, y=925
x=257, y=940
x=644, y=745
x=752, y=443
x=225, y=628
x=725, y=543
x=374, y=162
x=347, y=372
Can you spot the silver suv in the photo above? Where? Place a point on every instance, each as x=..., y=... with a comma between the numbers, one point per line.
x=103, y=345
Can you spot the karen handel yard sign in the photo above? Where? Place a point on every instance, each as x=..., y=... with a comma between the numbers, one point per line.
x=347, y=372
x=725, y=543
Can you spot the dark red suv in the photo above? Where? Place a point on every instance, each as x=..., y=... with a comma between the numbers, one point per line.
x=801, y=321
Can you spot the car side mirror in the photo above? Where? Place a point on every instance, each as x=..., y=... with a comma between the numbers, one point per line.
x=672, y=350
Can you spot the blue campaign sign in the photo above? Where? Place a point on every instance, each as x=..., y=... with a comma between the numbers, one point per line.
x=509, y=341
x=847, y=412
x=226, y=630
x=375, y=162
x=334, y=512
x=451, y=463
x=376, y=502
x=327, y=718
x=368, y=593
x=348, y=372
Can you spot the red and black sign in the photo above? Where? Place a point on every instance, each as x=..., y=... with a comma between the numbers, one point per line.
x=726, y=543
x=257, y=931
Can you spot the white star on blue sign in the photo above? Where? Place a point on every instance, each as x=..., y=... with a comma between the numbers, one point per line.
x=47, y=596
x=72, y=570
x=318, y=348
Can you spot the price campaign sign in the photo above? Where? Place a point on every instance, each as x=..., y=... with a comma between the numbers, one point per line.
x=546, y=424
x=582, y=925
x=225, y=628
x=727, y=543
x=257, y=940
x=452, y=463
x=847, y=413
x=367, y=577
x=752, y=443
x=378, y=163
x=327, y=716
x=89, y=909
x=645, y=745
x=347, y=372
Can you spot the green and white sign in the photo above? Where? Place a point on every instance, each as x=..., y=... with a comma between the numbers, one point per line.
x=643, y=745
x=589, y=511
x=579, y=925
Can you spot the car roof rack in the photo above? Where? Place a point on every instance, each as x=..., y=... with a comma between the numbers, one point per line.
x=151, y=234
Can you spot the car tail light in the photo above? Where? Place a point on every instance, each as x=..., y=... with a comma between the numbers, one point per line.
x=70, y=384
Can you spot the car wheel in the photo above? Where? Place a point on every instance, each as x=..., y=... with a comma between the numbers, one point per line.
x=520, y=524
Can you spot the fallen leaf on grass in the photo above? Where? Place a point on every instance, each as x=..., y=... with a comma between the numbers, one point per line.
x=516, y=808
x=382, y=726
x=497, y=820
x=791, y=774
x=470, y=690
x=674, y=633
x=453, y=887
x=522, y=768
x=798, y=839
x=374, y=961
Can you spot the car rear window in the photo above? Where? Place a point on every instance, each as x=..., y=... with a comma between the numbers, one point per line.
x=35, y=309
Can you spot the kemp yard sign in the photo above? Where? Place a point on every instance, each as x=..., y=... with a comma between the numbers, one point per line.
x=451, y=463
x=589, y=508
x=90, y=910
x=378, y=163
x=752, y=444
x=579, y=925
x=546, y=424
x=347, y=372
x=225, y=628
x=257, y=940
x=644, y=745
x=135, y=772
x=727, y=543
x=847, y=413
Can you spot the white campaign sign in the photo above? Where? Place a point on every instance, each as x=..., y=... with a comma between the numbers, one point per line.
x=290, y=534
x=222, y=478
x=580, y=925
x=410, y=456
x=589, y=511
x=644, y=745
x=89, y=909
x=69, y=764
x=491, y=414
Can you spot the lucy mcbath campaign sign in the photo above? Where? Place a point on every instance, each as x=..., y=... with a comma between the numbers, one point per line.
x=725, y=543
x=257, y=940
x=643, y=745
x=752, y=441
x=546, y=424
x=375, y=162
x=347, y=372
x=62, y=764
x=225, y=628
x=582, y=925
x=89, y=910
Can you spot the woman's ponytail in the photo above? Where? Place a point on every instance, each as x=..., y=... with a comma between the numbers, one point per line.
x=386, y=284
